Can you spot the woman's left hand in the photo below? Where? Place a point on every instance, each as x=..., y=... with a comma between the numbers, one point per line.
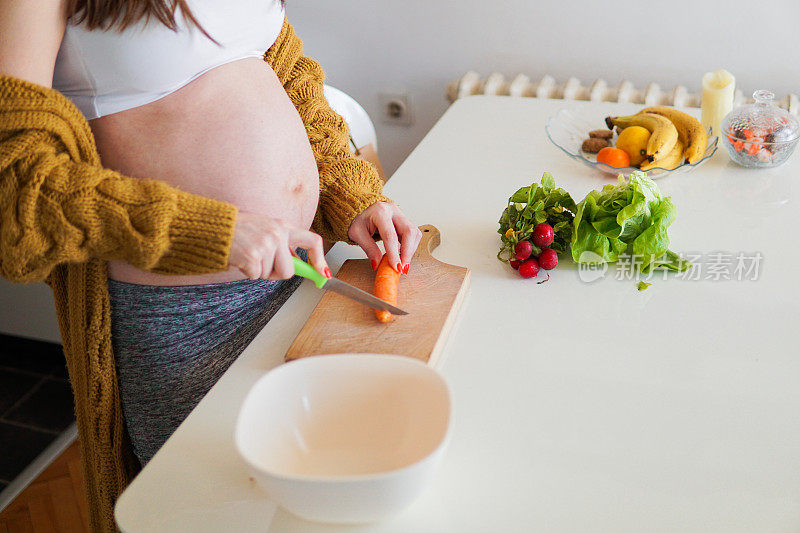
x=400, y=236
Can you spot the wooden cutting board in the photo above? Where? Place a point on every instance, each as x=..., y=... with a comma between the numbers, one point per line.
x=431, y=292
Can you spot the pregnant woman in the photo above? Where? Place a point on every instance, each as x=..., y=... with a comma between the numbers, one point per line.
x=160, y=162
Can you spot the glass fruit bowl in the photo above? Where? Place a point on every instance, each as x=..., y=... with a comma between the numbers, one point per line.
x=760, y=135
x=568, y=128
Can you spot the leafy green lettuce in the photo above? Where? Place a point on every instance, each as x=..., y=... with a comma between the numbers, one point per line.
x=529, y=206
x=628, y=218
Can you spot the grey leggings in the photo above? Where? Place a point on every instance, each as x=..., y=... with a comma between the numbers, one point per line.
x=171, y=344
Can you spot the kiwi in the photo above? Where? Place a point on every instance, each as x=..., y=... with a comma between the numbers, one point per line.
x=601, y=134
x=594, y=145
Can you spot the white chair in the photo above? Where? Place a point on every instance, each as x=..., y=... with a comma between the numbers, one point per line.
x=363, y=140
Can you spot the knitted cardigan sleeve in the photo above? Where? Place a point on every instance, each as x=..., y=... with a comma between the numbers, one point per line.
x=347, y=185
x=59, y=205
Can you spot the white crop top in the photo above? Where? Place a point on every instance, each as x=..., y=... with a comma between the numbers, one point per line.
x=106, y=72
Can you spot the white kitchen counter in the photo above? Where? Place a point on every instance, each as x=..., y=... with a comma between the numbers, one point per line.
x=577, y=406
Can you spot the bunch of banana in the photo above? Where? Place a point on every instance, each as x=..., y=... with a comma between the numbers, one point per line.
x=670, y=130
x=691, y=133
x=671, y=161
x=663, y=134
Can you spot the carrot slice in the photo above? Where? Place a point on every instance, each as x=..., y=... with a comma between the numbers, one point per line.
x=386, y=282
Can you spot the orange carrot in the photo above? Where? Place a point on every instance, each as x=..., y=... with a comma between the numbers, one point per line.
x=386, y=281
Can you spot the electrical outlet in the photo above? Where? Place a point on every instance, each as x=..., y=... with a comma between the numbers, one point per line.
x=395, y=108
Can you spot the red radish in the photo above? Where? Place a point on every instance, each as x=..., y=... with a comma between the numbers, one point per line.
x=515, y=264
x=529, y=268
x=523, y=250
x=543, y=234
x=548, y=259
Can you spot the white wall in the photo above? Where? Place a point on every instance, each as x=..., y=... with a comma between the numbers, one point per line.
x=369, y=46
x=28, y=310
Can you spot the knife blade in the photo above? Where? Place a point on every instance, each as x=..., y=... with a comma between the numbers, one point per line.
x=301, y=268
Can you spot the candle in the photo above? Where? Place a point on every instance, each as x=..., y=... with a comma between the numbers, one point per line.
x=717, y=98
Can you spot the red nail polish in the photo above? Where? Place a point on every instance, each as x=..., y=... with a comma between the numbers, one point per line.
x=405, y=269
x=399, y=267
x=328, y=273
x=374, y=265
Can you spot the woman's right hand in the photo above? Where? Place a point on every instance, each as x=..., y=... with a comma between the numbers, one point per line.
x=263, y=247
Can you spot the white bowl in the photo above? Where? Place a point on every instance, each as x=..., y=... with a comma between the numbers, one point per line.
x=348, y=438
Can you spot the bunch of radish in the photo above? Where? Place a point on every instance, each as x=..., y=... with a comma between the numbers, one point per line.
x=529, y=265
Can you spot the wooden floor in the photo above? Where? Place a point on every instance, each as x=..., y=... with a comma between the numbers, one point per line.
x=54, y=502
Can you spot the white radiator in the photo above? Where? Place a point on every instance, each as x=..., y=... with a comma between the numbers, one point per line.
x=599, y=91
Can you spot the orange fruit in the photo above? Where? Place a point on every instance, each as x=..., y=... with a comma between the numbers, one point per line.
x=614, y=157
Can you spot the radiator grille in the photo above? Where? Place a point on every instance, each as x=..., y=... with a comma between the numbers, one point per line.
x=598, y=91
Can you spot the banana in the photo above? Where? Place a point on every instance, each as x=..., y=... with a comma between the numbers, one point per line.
x=672, y=160
x=690, y=132
x=663, y=134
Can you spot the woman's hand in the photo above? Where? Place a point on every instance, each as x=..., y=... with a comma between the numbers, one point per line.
x=263, y=247
x=400, y=236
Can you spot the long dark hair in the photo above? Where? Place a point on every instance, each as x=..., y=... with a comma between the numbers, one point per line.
x=119, y=14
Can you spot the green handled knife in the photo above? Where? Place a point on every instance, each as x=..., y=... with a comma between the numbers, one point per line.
x=301, y=268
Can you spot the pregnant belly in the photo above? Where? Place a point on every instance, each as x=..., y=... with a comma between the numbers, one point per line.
x=232, y=134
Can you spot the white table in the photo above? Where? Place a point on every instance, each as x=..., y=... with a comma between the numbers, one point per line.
x=578, y=406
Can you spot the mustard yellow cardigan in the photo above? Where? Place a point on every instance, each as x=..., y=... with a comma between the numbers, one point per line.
x=63, y=216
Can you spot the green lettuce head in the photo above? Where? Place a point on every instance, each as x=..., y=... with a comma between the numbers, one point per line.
x=631, y=217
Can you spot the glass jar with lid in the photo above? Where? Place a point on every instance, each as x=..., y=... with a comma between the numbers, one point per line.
x=760, y=135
